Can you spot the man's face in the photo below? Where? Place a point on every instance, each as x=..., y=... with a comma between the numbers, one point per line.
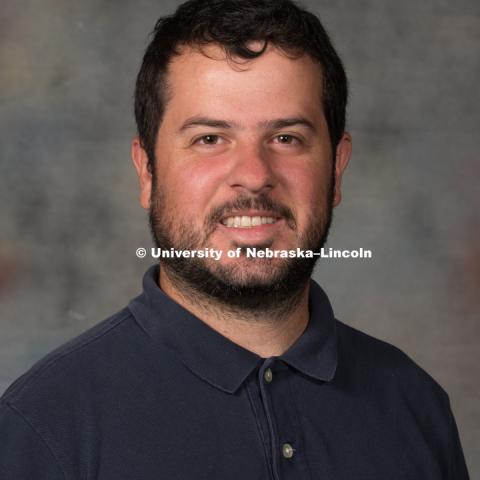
x=243, y=159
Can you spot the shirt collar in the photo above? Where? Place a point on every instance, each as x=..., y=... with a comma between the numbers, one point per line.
x=218, y=360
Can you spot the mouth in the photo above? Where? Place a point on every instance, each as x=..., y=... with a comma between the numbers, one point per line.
x=249, y=221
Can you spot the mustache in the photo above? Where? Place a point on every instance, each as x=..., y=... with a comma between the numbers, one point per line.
x=260, y=202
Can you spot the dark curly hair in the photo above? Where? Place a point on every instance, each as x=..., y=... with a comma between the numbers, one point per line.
x=233, y=24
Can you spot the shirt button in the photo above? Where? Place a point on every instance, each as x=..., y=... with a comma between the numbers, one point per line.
x=268, y=375
x=287, y=450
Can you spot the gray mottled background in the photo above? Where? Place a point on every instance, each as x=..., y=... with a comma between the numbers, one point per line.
x=70, y=220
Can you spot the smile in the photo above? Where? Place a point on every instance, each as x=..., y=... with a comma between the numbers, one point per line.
x=246, y=221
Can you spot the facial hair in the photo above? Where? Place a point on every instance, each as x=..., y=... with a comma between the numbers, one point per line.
x=277, y=288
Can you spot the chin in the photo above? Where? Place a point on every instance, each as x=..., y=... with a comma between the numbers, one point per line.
x=249, y=273
x=254, y=272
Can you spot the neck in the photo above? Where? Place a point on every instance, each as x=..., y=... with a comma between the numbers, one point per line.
x=266, y=333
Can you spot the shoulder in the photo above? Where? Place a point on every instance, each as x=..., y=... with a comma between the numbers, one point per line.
x=383, y=366
x=82, y=359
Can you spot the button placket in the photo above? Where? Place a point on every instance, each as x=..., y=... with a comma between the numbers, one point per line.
x=287, y=455
x=267, y=392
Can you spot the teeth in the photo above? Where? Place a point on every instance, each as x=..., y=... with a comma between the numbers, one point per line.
x=246, y=222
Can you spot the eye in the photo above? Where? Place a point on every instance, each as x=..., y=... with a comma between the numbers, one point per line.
x=285, y=139
x=208, y=140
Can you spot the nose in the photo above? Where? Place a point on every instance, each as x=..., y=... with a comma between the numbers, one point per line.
x=251, y=171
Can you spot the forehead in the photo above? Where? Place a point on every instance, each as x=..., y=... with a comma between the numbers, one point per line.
x=274, y=84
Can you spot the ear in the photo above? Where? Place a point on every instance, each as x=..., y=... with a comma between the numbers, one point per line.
x=140, y=162
x=342, y=156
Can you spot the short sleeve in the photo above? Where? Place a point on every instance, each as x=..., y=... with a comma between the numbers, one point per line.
x=23, y=453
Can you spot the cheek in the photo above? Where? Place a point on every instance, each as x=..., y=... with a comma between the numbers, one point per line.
x=308, y=188
x=192, y=186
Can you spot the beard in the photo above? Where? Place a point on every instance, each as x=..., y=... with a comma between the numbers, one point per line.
x=250, y=285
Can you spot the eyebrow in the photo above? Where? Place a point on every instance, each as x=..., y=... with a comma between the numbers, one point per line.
x=267, y=124
x=287, y=122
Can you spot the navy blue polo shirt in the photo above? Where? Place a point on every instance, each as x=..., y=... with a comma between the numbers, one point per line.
x=154, y=393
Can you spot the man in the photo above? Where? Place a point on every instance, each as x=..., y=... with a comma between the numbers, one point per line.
x=233, y=367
